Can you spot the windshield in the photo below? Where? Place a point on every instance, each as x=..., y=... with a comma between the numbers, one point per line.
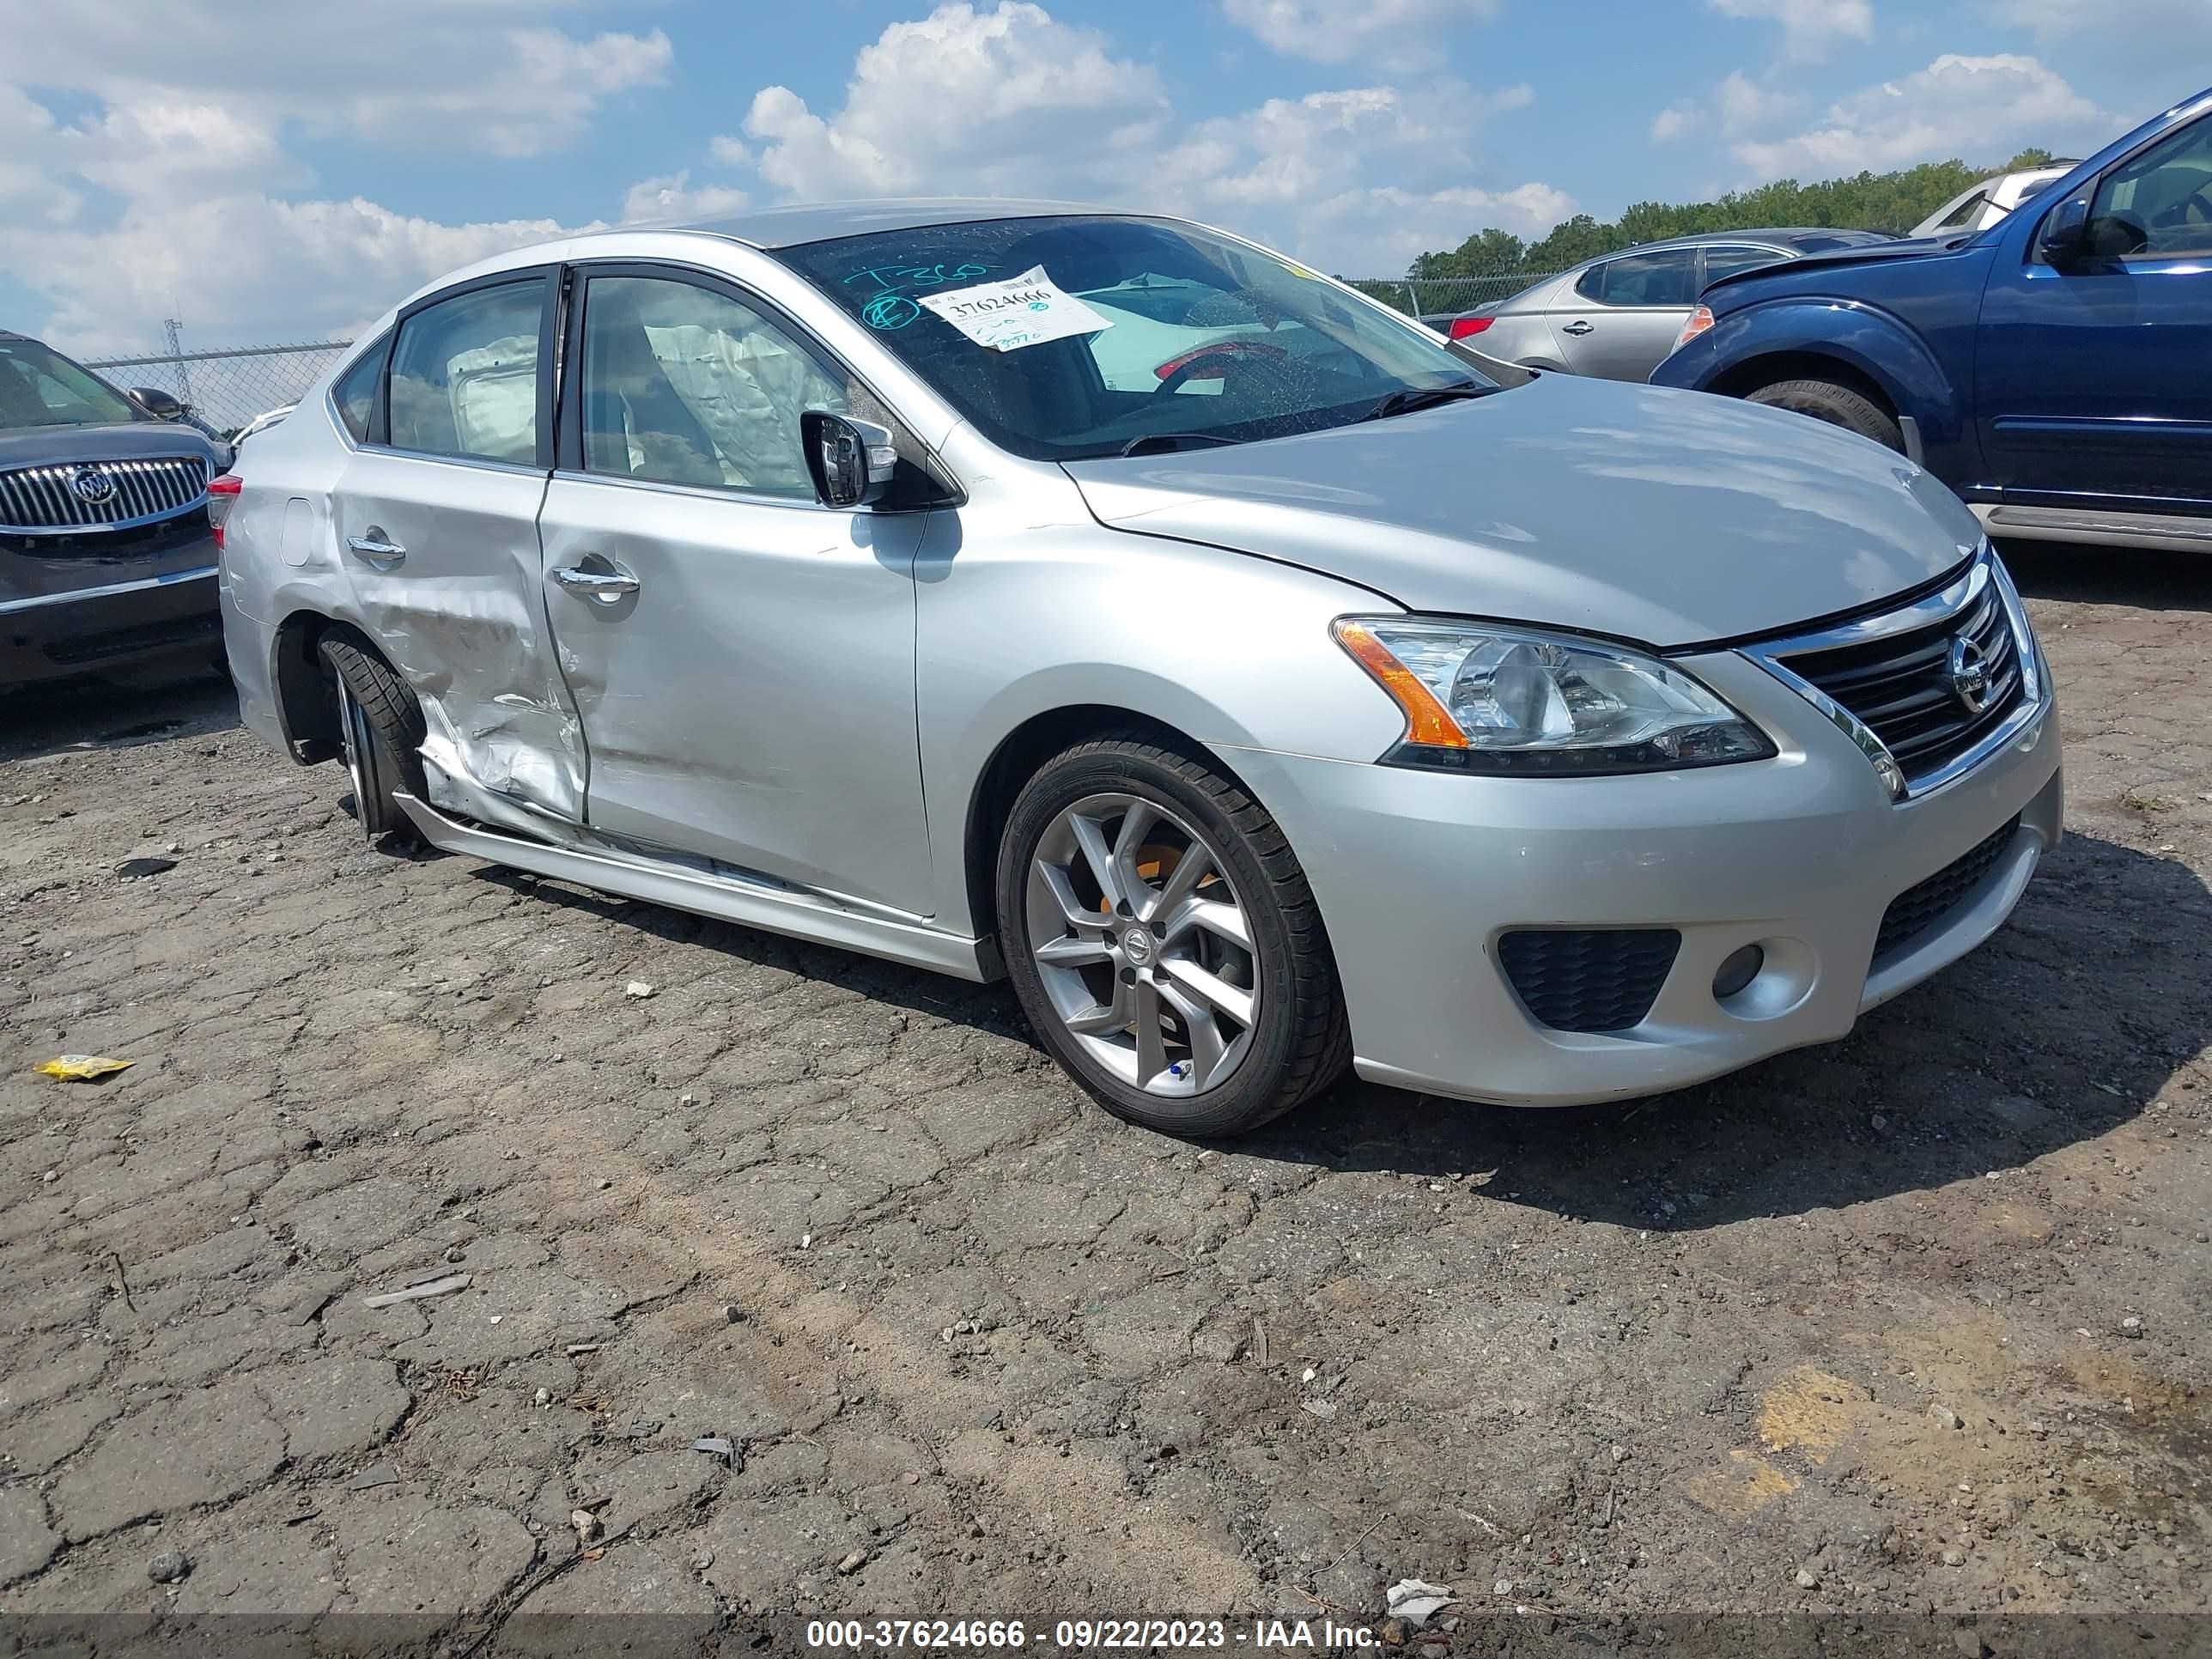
x=38, y=387
x=1071, y=338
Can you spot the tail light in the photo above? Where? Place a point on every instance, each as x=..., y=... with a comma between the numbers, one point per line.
x=1461, y=327
x=222, y=496
x=1700, y=320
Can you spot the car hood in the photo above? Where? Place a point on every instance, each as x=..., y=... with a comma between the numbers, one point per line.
x=1905, y=247
x=125, y=441
x=1671, y=517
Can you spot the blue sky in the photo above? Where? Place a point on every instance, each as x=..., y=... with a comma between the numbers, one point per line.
x=315, y=163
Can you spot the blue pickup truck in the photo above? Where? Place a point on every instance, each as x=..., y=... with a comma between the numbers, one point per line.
x=2055, y=369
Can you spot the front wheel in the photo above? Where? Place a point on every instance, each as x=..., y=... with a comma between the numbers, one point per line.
x=1163, y=941
x=1839, y=406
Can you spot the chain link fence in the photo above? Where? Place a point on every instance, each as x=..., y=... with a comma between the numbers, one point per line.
x=227, y=389
x=1435, y=296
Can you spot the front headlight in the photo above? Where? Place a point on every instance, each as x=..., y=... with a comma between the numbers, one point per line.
x=1481, y=698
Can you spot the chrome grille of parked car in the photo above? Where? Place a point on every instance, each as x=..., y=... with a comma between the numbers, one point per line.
x=55, y=497
x=1901, y=686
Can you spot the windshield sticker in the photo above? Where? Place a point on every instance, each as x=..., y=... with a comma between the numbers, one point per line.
x=1023, y=311
x=1297, y=270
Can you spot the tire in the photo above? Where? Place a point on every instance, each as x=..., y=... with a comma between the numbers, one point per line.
x=1839, y=406
x=380, y=726
x=1265, y=1018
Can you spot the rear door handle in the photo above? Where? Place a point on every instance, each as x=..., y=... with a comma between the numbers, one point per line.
x=606, y=587
x=1579, y=327
x=376, y=548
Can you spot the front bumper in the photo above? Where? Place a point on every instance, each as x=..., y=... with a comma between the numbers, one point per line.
x=110, y=626
x=1418, y=875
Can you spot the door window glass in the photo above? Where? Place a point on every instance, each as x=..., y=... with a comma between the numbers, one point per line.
x=356, y=392
x=2158, y=206
x=1727, y=261
x=1591, y=283
x=1651, y=279
x=465, y=376
x=683, y=384
x=1967, y=216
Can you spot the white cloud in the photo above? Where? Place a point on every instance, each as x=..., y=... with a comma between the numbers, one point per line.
x=670, y=196
x=167, y=189
x=1011, y=102
x=964, y=101
x=425, y=74
x=1395, y=34
x=1810, y=27
x=244, y=268
x=168, y=197
x=1978, y=109
x=1745, y=107
x=1683, y=116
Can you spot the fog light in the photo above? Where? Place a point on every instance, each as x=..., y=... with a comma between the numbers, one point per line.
x=1739, y=970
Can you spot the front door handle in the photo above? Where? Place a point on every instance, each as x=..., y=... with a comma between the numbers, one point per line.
x=1578, y=328
x=606, y=587
x=377, y=547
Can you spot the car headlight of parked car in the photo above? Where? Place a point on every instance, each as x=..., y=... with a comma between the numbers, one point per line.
x=1483, y=698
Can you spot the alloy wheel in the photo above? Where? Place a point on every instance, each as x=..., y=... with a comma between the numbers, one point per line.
x=1143, y=945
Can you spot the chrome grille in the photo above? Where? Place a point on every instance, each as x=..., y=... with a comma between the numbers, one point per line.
x=49, y=498
x=1907, y=677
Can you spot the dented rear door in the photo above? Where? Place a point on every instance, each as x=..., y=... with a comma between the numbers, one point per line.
x=436, y=522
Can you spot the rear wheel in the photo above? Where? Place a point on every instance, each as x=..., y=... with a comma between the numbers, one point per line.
x=1163, y=942
x=380, y=727
x=1839, y=406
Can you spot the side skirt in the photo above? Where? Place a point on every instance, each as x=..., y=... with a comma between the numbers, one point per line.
x=778, y=910
x=2097, y=527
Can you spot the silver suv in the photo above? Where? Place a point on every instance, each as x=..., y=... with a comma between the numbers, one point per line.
x=1108, y=602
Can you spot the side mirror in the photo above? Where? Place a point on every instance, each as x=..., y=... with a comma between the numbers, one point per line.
x=851, y=459
x=161, y=405
x=2064, y=239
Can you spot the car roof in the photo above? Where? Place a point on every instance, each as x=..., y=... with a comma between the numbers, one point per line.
x=822, y=222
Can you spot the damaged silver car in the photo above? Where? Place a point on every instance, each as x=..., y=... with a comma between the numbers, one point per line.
x=1265, y=686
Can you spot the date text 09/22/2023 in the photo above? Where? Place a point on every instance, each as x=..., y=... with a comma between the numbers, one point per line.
x=1087, y=1635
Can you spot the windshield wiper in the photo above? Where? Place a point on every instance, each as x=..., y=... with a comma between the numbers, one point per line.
x=1406, y=399
x=1171, y=441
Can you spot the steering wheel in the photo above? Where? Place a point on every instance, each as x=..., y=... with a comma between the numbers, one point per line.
x=1214, y=361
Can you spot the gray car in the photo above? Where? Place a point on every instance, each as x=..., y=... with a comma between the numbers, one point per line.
x=1314, y=701
x=1614, y=318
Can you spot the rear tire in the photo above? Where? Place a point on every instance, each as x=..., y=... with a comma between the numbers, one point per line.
x=380, y=726
x=1839, y=406
x=1192, y=991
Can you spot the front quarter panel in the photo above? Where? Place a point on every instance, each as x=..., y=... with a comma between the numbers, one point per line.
x=1026, y=606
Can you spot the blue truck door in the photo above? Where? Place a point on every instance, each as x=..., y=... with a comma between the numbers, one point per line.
x=2093, y=385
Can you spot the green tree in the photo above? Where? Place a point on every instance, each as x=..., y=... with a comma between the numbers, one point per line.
x=1893, y=202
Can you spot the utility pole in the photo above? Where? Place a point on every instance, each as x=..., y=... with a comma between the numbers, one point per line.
x=173, y=329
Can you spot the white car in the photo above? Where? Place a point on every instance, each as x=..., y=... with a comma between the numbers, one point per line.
x=1985, y=204
x=262, y=422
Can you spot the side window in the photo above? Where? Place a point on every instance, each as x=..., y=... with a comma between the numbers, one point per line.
x=1591, y=283
x=683, y=384
x=1727, y=261
x=1652, y=279
x=2158, y=206
x=356, y=392
x=465, y=376
x=1967, y=214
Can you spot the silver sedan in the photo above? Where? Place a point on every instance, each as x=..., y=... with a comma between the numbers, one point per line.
x=1614, y=318
x=1111, y=604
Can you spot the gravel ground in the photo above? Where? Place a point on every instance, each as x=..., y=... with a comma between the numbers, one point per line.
x=1910, y=1323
